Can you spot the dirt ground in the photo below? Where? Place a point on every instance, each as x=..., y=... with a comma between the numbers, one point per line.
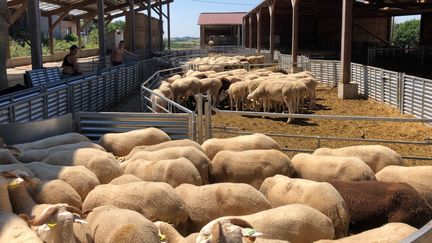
x=328, y=104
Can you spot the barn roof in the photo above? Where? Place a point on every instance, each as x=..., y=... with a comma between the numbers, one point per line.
x=226, y=18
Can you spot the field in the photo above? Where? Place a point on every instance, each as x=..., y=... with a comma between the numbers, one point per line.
x=327, y=103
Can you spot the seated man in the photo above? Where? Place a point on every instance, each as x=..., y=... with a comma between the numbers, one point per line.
x=70, y=63
x=117, y=56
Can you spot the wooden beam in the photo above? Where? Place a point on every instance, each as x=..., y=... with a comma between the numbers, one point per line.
x=250, y=32
x=160, y=25
x=149, y=26
x=18, y=13
x=60, y=18
x=169, y=25
x=372, y=34
x=15, y=3
x=101, y=33
x=132, y=25
x=33, y=15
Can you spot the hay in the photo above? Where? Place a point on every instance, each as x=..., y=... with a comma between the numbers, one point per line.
x=328, y=104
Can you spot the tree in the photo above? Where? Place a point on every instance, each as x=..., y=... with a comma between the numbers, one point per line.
x=407, y=34
x=4, y=41
x=117, y=25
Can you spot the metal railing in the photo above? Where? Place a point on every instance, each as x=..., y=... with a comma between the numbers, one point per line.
x=92, y=92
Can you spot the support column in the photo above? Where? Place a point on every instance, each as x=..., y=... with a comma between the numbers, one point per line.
x=132, y=25
x=272, y=28
x=78, y=27
x=295, y=32
x=346, y=90
x=101, y=32
x=258, y=15
x=244, y=33
x=161, y=46
x=169, y=25
x=250, y=31
x=202, y=37
x=33, y=17
x=239, y=35
x=50, y=35
x=149, y=26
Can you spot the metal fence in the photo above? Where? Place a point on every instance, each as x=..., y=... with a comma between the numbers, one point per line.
x=93, y=92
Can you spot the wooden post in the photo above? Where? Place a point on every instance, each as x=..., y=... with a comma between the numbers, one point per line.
x=132, y=25
x=272, y=28
x=51, y=37
x=202, y=36
x=244, y=33
x=258, y=15
x=149, y=26
x=33, y=15
x=239, y=35
x=161, y=45
x=169, y=25
x=250, y=31
x=101, y=33
x=347, y=23
x=78, y=27
x=295, y=32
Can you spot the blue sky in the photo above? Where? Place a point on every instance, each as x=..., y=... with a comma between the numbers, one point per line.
x=185, y=13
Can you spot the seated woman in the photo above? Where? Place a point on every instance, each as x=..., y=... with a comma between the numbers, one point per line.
x=70, y=63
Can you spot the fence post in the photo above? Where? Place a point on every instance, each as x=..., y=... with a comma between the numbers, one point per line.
x=208, y=114
x=402, y=93
x=382, y=84
x=335, y=77
x=199, y=107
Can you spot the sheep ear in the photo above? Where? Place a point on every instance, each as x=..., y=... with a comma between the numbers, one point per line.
x=216, y=232
x=240, y=222
x=46, y=214
x=78, y=219
x=74, y=210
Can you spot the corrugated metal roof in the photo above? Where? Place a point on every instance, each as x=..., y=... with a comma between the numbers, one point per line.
x=234, y=18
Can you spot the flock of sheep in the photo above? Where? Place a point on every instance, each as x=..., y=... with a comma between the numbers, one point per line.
x=141, y=186
x=258, y=90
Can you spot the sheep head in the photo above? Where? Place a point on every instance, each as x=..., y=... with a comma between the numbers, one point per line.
x=228, y=230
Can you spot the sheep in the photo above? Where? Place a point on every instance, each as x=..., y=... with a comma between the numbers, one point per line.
x=111, y=224
x=102, y=164
x=167, y=144
x=40, y=154
x=172, y=171
x=56, y=191
x=418, y=177
x=237, y=93
x=68, y=138
x=205, y=203
x=56, y=224
x=170, y=235
x=373, y=203
x=6, y=157
x=15, y=229
x=120, y=144
x=166, y=89
x=81, y=179
x=231, y=230
x=173, y=78
x=392, y=232
x=124, y=179
x=157, y=201
x=375, y=156
x=281, y=190
x=241, y=143
x=251, y=167
x=325, y=168
x=194, y=155
x=185, y=87
x=159, y=104
x=295, y=223
x=211, y=85
x=5, y=205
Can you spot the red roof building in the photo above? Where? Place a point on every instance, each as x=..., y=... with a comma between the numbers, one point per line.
x=221, y=29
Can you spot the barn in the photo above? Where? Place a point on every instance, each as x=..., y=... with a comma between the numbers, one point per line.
x=224, y=29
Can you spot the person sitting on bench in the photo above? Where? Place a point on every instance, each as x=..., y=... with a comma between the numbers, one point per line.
x=70, y=63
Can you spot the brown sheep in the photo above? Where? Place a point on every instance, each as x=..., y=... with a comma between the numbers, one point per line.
x=251, y=167
x=372, y=204
x=124, y=179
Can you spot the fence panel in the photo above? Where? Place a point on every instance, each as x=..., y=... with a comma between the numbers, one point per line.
x=391, y=84
x=94, y=125
x=417, y=96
